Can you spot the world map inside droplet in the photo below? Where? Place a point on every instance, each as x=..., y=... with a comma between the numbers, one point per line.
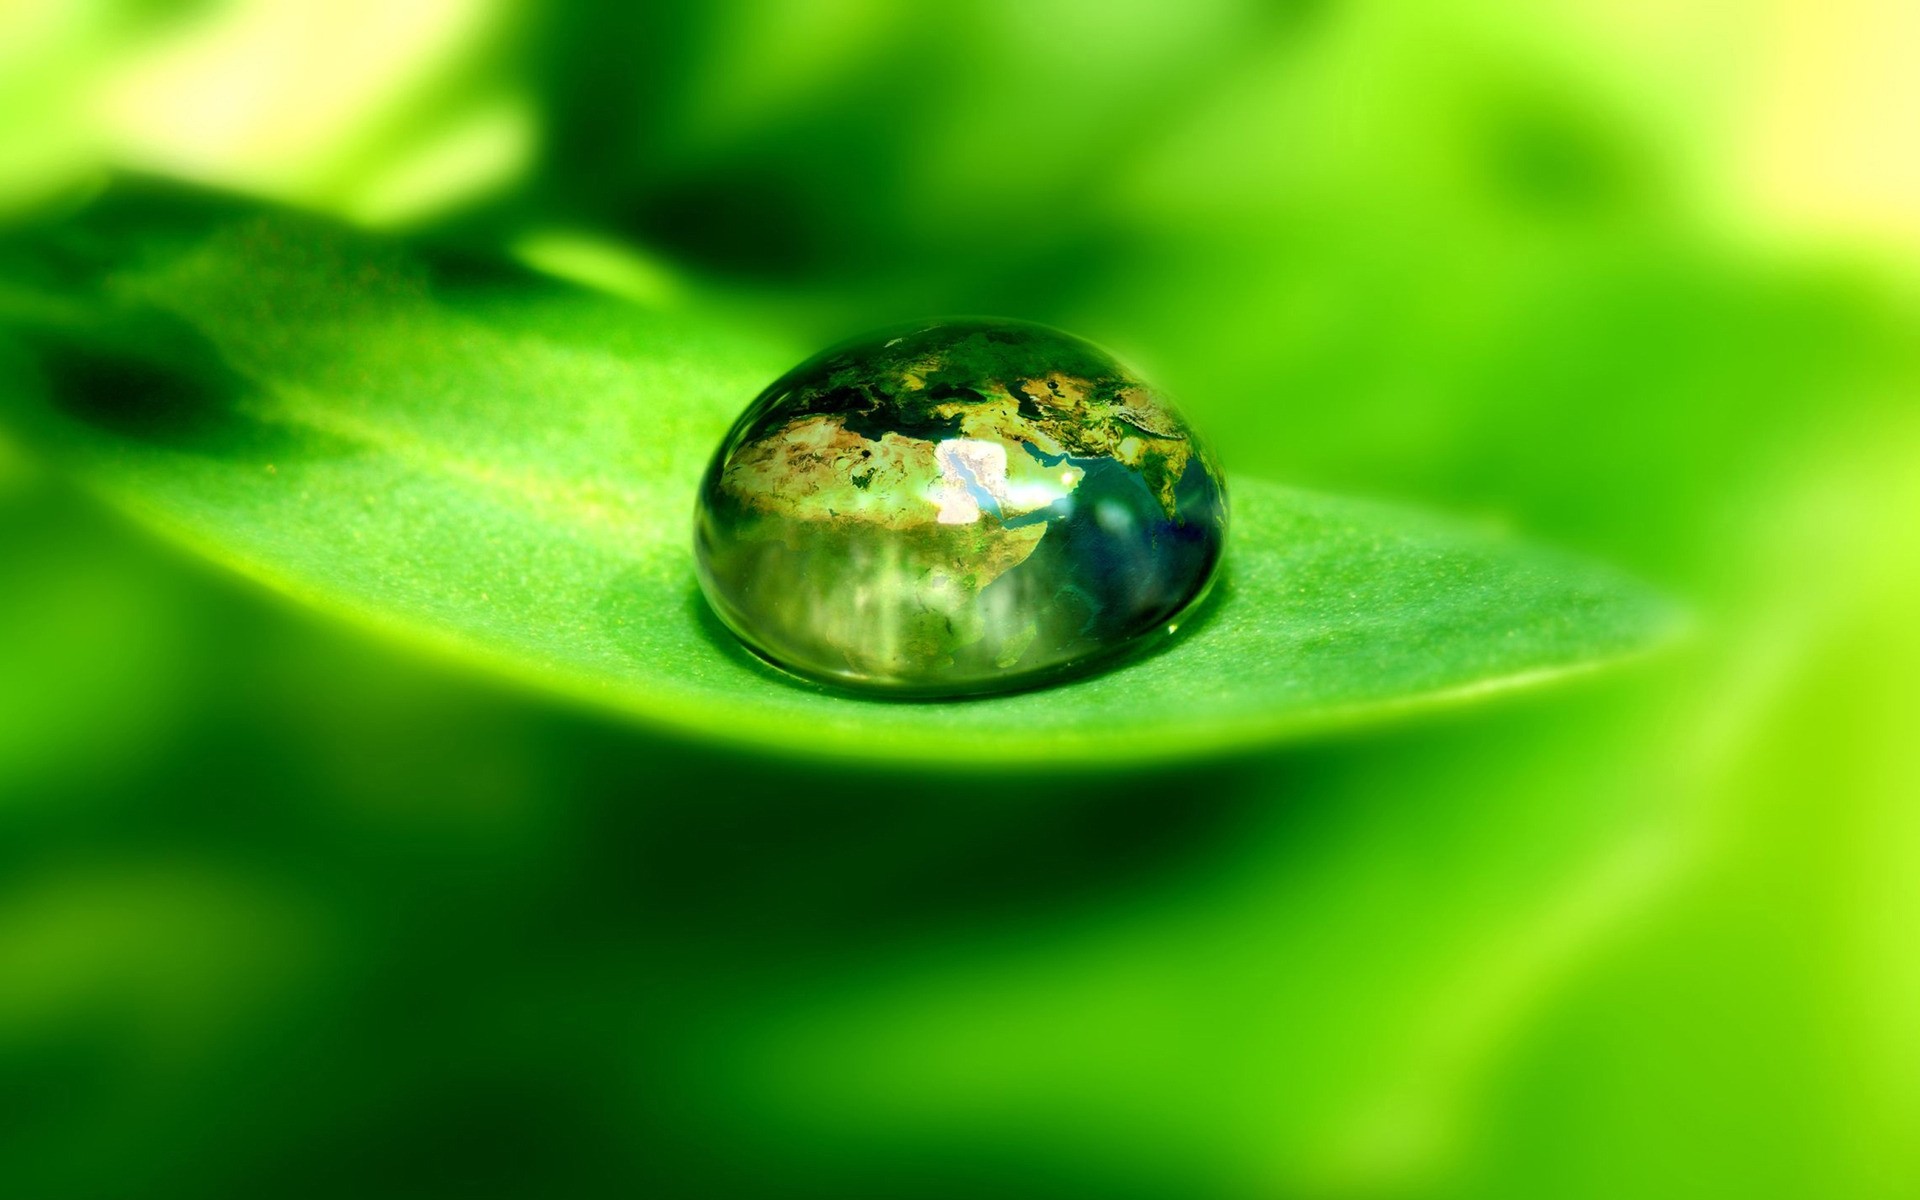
x=957, y=507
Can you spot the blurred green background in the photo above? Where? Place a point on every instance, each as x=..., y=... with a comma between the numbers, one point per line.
x=289, y=909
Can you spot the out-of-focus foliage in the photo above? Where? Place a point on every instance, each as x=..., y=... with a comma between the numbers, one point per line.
x=285, y=910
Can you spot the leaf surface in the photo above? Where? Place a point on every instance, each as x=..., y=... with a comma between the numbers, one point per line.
x=501, y=467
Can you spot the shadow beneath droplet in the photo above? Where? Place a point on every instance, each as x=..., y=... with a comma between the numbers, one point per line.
x=1197, y=617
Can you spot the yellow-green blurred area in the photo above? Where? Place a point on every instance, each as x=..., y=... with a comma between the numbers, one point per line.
x=289, y=909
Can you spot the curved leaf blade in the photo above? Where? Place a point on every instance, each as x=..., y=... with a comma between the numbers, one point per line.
x=502, y=468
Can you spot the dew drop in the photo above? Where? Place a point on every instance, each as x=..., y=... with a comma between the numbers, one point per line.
x=960, y=507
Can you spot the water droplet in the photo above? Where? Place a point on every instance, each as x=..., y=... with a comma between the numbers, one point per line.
x=961, y=507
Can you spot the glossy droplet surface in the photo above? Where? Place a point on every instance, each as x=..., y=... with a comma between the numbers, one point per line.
x=957, y=507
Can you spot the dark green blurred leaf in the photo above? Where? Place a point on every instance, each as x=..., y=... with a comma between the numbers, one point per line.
x=503, y=468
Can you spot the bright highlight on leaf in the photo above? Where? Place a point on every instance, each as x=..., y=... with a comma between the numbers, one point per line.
x=503, y=467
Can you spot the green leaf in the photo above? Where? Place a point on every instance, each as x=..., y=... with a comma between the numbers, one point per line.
x=501, y=467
